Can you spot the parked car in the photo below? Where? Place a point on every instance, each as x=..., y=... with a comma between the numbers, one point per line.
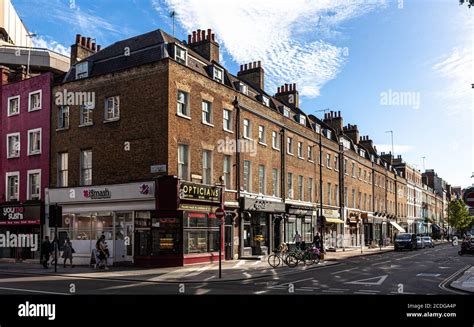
x=420, y=243
x=405, y=241
x=428, y=241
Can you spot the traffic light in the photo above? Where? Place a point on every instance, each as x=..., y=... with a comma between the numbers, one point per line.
x=55, y=215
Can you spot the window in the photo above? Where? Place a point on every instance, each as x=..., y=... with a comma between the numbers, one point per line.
x=359, y=200
x=300, y=188
x=112, y=108
x=243, y=88
x=13, y=105
x=289, y=145
x=34, y=184
x=218, y=74
x=286, y=112
x=86, y=114
x=275, y=140
x=365, y=175
x=206, y=112
x=247, y=176
x=302, y=119
x=34, y=141
x=353, y=169
x=353, y=198
x=63, y=117
x=328, y=160
x=300, y=149
x=207, y=167
x=183, y=161
x=247, y=131
x=261, y=134
x=365, y=201
x=183, y=104
x=310, y=189
x=328, y=133
x=86, y=167
x=345, y=166
x=13, y=145
x=370, y=178
x=227, y=120
x=275, y=182
x=180, y=55
x=266, y=101
x=13, y=186
x=310, y=153
x=82, y=70
x=227, y=172
x=346, y=197
x=370, y=203
x=63, y=169
x=329, y=193
x=34, y=100
x=360, y=173
x=336, y=195
x=290, y=185
x=261, y=179
x=336, y=163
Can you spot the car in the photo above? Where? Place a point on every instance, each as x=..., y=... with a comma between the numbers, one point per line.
x=405, y=241
x=420, y=243
x=428, y=241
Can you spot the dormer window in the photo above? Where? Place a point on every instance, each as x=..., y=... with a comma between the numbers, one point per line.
x=345, y=143
x=328, y=134
x=266, y=101
x=362, y=153
x=243, y=88
x=317, y=127
x=82, y=70
x=218, y=74
x=286, y=112
x=302, y=119
x=180, y=55
x=372, y=157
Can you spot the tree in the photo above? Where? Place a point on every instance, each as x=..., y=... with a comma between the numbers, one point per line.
x=469, y=3
x=459, y=215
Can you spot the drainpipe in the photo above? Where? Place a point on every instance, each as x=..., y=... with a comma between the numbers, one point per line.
x=282, y=178
x=237, y=175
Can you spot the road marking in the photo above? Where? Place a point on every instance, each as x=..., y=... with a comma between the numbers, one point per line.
x=339, y=289
x=240, y=263
x=365, y=293
x=331, y=291
x=370, y=291
x=427, y=275
x=345, y=270
x=31, y=291
x=443, y=284
x=381, y=263
x=247, y=275
x=202, y=291
x=380, y=280
x=256, y=263
x=307, y=287
x=125, y=286
x=304, y=290
x=402, y=293
x=408, y=257
x=260, y=292
x=297, y=281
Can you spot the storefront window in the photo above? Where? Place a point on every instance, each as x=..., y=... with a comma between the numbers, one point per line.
x=166, y=236
x=201, y=241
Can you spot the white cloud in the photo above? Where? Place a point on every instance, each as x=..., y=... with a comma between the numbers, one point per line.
x=41, y=42
x=282, y=34
x=398, y=148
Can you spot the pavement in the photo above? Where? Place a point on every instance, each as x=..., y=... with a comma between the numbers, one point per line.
x=233, y=270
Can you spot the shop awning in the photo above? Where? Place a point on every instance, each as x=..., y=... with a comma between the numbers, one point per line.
x=334, y=221
x=397, y=226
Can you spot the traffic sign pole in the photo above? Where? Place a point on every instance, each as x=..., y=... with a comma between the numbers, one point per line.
x=220, y=215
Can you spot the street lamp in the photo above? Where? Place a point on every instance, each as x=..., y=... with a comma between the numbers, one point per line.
x=393, y=151
x=31, y=36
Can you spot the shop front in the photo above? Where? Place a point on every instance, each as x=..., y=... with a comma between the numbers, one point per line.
x=185, y=229
x=301, y=219
x=122, y=213
x=368, y=223
x=262, y=226
x=354, y=228
x=20, y=222
x=333, y=228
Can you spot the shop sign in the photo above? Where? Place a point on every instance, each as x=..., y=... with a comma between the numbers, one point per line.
x=20, y=214
x=199, y=192
x=263, y=205
x=97, y=194
x=158, y=169
x=329, y=213
x=194, y=207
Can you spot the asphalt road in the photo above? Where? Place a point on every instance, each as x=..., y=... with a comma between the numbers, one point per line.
x=426, y=271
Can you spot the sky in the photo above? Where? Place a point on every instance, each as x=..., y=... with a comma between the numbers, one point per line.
x=404, y=66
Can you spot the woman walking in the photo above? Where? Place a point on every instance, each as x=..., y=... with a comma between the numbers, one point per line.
x=68, y=251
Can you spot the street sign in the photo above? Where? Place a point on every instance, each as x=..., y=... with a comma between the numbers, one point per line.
x=220, y=213
x=469, y=197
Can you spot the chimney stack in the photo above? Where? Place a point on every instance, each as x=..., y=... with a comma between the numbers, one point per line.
x=289, y=94
x=367, y=142
x=204, y=44
x=83, y=48
x=352, y=132
x=253, y=74
x=334, y=119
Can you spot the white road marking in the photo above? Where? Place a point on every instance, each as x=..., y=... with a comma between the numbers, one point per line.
x=369, y=291
x=427, y=275
x=380, y=280
x=401, y=293
x=297, y=281
x=31, y=291
x=303, y=290
x=345, y=270
x=381, y=263
x=202, y=291
x=365, y=293
x=125, y=286
x=256, y=263
x=332, y=291
x=260, y=292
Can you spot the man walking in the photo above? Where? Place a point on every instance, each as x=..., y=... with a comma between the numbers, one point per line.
x=297, y=240
x=45, y=251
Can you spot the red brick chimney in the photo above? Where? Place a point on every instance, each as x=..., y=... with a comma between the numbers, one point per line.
x=204, y=44
x=288, y=93
x=352, y=132
x=253, y=74
x=83, y=48
x=334, y=119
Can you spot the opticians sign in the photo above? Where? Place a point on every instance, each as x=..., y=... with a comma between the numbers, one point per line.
x=199, y=192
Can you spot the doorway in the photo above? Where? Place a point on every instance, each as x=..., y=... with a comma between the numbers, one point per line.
x=124, y=237
x=228, y=240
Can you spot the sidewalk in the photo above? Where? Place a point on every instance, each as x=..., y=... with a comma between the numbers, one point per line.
x=209, y=272
x=465, y=282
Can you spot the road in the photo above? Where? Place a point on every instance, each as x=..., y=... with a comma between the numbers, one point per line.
x=426, y=271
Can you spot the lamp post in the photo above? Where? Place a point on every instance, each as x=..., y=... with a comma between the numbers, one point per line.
x=393, y=151
x=321, y=217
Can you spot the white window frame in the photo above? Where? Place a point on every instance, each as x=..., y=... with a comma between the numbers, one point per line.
x=82, y=72
x=28, y=184
x=289, y=145
x=275, y=182
x=302, y=120
x=261, y=135
x=60, y=112
x=328, y=160
x=116, y=111
x=7, y=193
x=289, y=183
x=215, y=75
x=40, y=92
x=8, y=145
x=276, y=140
x=244, y=89
x=206, y=113
x=187, y=163
x=286, y=112
x=207, y=156
x=82, y=183
x=179, y=59
x=249, y=177
x=310, y=153
x=89, y=109
x=266, y=101
x=9, y=114
x=301, y=187
x=228, y=184
x=300, y=150
x=60, y=164
x=247, y=129
x=229, y=120
x=311, y=189
x=262, y=181
x=31, y=131
x=186, y=105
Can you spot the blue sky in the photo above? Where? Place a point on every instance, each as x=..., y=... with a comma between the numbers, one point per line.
x=356, y=56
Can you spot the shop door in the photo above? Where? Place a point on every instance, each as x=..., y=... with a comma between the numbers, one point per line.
x=124, y=237
x=228, y=239
x=276, y=234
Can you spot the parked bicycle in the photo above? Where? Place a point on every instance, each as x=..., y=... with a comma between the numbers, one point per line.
x=278, y=257
x=310, y=255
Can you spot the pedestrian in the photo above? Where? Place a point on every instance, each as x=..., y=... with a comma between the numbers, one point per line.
x=297, y=240
x=317, y=241
x=68, y=251
x=102, y=253
x=45, y=251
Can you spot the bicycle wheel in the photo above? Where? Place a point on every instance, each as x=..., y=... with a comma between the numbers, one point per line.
x=317, y=258
x=291, y=260
x=308, y=259
x=274, y=260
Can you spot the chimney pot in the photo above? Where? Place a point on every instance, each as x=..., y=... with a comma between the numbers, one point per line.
x=209, y=34
x=339, y=114
x=189, y=38
x=93, y=46
x=198, y=34
x=241, y=67
x=88, y=45
x=203, y=35
x=259, y=63
x=278, y=90
x=294, y=86
x=245, y=66
x=78, y=38
x=213, y=37
x=286, y=87
x=194, y=36
x=98, y=48
x=83, y=41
